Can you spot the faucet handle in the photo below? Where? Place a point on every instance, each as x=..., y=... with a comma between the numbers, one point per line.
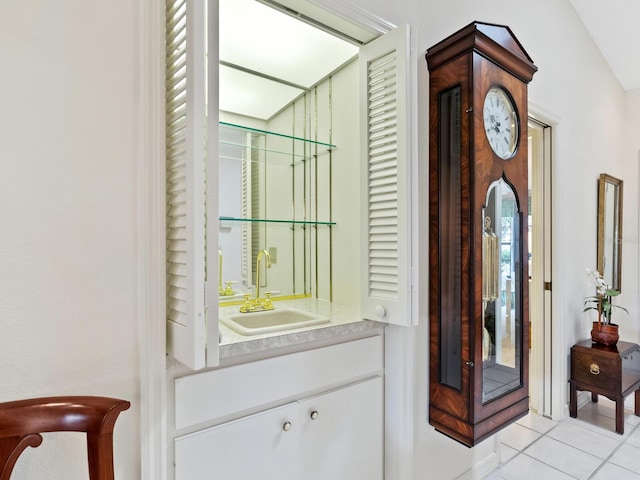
x=228, y=290
x=247, y=306
x=267, y=304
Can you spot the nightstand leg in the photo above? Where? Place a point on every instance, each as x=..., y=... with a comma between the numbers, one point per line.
x=573, y=401
x=620, y=415
x=637, y=406
x=594, y=397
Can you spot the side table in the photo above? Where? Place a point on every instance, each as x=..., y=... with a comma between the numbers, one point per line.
x=612, y=371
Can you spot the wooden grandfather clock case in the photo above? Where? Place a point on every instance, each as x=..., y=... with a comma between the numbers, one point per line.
x=478, y=230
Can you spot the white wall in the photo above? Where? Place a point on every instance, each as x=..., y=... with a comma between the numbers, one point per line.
x=69, y=275
x=68, y=266
x=575, y=86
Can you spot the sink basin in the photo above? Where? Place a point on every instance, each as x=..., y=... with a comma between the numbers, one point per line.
x=256, y=323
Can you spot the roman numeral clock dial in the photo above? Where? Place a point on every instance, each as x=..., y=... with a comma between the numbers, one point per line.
x=500, y=122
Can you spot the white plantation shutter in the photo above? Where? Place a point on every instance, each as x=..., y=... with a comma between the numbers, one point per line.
x=186, y=133
x=386, y=216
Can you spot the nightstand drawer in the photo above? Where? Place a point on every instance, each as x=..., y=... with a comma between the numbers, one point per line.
x=596, y=370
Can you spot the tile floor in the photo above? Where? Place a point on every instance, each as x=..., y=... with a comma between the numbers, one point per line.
x=584, y=448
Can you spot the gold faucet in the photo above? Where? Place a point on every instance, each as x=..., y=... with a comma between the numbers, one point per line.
x=258, y=304
x=227, y=290
x=220, y=289
x=261, y=253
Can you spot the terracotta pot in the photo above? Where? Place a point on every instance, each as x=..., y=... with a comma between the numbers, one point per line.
x=605, y=334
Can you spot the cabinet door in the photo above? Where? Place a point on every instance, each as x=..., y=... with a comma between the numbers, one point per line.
x=342, y=433
x=256, y=447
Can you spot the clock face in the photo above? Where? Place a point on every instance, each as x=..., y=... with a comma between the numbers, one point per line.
x=500, y=122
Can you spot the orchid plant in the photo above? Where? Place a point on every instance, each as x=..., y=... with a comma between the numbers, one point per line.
x=602, y=301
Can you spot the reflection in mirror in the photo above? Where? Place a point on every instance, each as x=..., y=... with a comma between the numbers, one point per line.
x=234, y=168
x=501, y=293
x=273, y=198
x=610, y=230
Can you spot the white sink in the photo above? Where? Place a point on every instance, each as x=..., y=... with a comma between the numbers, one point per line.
x=257, y=323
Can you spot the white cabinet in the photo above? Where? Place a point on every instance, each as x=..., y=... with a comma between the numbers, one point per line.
x=313, y=415
x=331, y=436
x=342, y=433
x=261, y=446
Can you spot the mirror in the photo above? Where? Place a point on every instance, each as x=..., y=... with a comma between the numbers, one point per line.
x=277, y=156
x=610, y=230
x=501, y=292
x=274, y=198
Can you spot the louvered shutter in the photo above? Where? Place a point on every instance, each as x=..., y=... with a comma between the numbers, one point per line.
x=186, y=84
x=386, y=216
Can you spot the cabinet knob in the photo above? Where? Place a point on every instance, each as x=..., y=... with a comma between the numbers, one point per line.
x=594, y=368
x=286, y=426
x=314, y=415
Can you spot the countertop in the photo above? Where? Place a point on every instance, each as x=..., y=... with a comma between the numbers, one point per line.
x=345, y=321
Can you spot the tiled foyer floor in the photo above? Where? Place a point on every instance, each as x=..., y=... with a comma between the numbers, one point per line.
x=585, y=448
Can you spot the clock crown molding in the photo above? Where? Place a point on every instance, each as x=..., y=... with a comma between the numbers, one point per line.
x=494, y=42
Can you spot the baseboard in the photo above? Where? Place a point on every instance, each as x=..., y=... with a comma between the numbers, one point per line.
x=482, y=469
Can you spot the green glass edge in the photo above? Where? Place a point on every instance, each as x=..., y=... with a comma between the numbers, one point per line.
x=298, y=222
x=266, y=132
x=266, y=150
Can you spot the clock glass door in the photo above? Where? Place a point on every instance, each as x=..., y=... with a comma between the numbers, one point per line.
x=450, y=249
x=501, y=293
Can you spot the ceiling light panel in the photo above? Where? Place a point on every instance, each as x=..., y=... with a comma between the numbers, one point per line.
x=253, y=96
x=260, y=38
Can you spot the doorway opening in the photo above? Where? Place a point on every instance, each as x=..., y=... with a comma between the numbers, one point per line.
x=540, y=267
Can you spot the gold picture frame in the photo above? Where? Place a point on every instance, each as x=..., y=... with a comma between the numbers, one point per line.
x=609, y=250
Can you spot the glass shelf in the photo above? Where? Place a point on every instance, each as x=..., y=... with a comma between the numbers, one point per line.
x=264, y=220
x=274, y=193
x=280, y=135
x=299, y=159
x=233, y=145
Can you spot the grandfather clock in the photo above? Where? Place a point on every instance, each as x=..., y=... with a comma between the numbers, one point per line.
x=478, y=254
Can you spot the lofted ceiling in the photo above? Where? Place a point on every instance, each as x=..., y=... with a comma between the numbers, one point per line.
x=613, y=25
x=269, y=58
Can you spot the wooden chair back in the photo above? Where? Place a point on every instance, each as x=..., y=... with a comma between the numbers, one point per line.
x=22, y=422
